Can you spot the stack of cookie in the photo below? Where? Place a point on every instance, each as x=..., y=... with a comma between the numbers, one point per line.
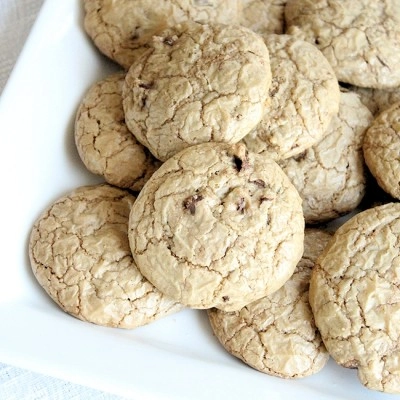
x=231, y=126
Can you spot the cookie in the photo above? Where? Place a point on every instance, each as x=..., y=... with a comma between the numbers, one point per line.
x=79, y=253
x=122, y=30
x=360, y=38
x=304, y=98
x=330, y=176
x=198, y=83
x=217, y=226
x=104, y=142
x=355, y=296
x=277, y=334
x=377, y=100
x=381, y=150
x=263, y=16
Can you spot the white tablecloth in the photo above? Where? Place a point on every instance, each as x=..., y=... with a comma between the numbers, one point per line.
x=16, y=20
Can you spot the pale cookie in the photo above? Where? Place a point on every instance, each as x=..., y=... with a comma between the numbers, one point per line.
x=304, y=98
x=382, y=148
x=277, y=334
x=263, y=16
x=198, y=83
x=377, y=100
x=216, y=226
x=122, y=29
x=104, y=143
x=80, y=255
x=355, y=296
x=330, y=176
x=360, y=38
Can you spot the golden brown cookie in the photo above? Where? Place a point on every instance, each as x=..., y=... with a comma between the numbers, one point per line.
x=277, y=334
x=104, y=143
x=122, y=29
x=382, y=148
x=80, y=255
x=355, y=296
x=359, y=38
x=304, y=97
x=216, y=226
x=198, y=83
x=330, y=176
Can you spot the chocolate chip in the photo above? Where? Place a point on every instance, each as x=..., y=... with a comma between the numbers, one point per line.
x=241, y=160
x=190, y=203
x=144, y=99
x=264, y=198
x=135, y=35
x=169, y=41
x=146, y=85
x=238, y=162
x=300, y=157
x=241, y=205
x=259, y=182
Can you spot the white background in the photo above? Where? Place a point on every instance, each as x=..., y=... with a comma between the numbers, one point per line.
x=16, y=20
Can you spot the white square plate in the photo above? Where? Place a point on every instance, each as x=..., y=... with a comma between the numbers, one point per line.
x=174, y=358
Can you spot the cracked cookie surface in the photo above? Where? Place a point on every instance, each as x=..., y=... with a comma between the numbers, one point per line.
x=360, y=38
x=122, y=29
x=79, y=252
x=304, y=97
x=330, y=176
x=377, y=100
x=198, y=83
x=382, y=147
x=355, y=296
x=216, y=226
x=263, y=16
x=277, y=334
x=104, y=142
